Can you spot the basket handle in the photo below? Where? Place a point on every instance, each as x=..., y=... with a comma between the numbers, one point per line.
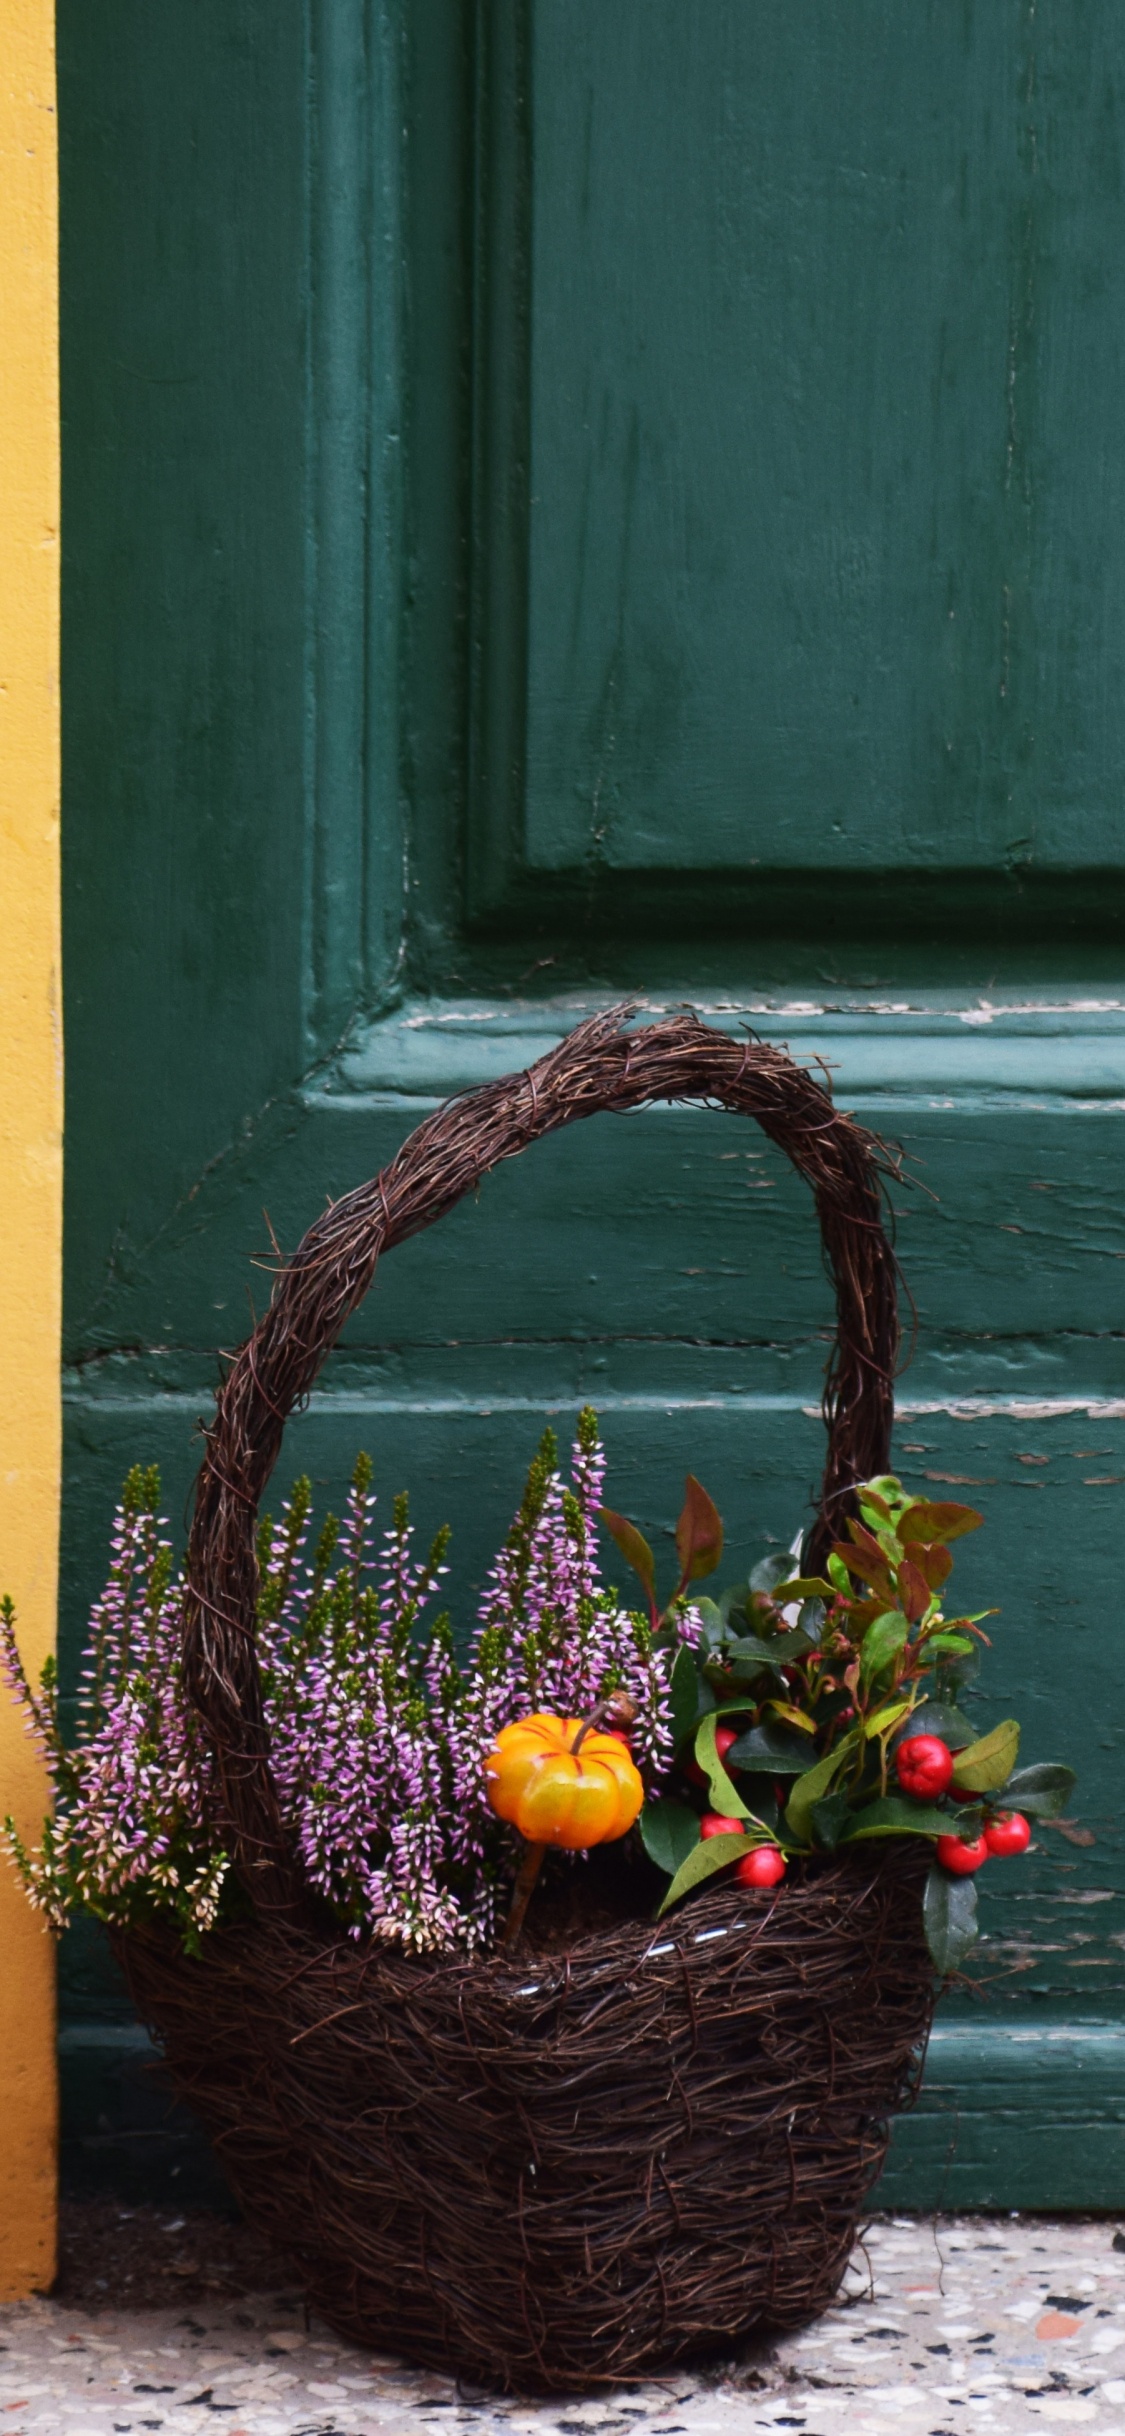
x=602, y=1065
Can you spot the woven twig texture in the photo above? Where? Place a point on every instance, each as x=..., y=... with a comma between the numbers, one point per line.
x=564, y=2171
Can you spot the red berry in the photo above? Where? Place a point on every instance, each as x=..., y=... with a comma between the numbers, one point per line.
x=762, y=1867
x=713, y=1823
x=925, y=1766
x=1007, y=1833
x=959, y=1858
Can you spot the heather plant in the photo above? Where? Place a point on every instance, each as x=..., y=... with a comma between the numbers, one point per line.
x=378, y=1730
x=128, y=1832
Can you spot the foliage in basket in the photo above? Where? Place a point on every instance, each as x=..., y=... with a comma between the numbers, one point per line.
x=793, y=1716
x=819, y=1712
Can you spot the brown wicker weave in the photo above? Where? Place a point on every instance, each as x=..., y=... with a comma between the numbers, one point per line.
x=559, y=2169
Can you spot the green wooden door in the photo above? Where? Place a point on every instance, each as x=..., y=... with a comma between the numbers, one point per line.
x=564, y=500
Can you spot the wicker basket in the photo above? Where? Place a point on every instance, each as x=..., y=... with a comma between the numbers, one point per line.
x=559, y=2170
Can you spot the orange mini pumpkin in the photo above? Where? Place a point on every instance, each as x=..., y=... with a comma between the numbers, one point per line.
x=555, y=1795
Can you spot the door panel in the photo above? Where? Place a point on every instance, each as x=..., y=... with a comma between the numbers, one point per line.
x=565, y=502
x=824, y=337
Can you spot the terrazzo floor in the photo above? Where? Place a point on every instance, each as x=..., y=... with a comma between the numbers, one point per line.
x=944, y=2326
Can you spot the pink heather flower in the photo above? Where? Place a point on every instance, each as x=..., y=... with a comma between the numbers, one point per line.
x=377, y=1733
x=128, y=1832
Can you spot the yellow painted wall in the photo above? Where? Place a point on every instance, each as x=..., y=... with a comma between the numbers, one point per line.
x=30, y=1080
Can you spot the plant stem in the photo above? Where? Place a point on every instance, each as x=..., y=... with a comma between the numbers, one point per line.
x=588, y=1723
x=527, y=1874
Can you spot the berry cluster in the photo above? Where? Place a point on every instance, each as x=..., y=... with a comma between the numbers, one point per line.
x=925, y=1769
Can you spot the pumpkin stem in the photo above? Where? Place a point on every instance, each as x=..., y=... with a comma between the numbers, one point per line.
x=526, y=1876
x=616, y=1705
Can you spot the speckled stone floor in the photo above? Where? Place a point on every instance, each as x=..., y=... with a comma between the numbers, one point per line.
x=947, y=2326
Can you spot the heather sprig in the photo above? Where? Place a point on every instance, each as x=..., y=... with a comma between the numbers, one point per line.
x=377, y=1731
x=128, y=1836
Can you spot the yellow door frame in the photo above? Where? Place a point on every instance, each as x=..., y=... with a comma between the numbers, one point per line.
x=30, y=1083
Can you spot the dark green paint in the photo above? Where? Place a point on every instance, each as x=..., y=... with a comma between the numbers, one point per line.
x=520, y=464
x=804, y=311
x=1011, y=1219
x=1031, y=2121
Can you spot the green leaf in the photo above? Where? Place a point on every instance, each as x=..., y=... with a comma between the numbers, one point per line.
x=725, y=1797
x=735, y=1600
x=829, y=1817
x=882, y=1721
x=839, y=1577
x=802, y=1586
x=767, y=1811
x=928, y=1521
x=813, y=1785
x=949, y=1910
x=669, y=1832
x=1042, y=1791
x=890, y=1814
x=948, y=1645
x=747, y=1657
x=690, y=1696
x=723, y=1674
x=987, y=1764
x=786, y=1712
x=941, y=1718
x=711, y=1854
x=712, y=1620
x=811, y=1617
x=634, y=1547
x=781, y=1648
x=776, y=1750
x=771, y=1571
x=881, y=1644
x=699, y=1533
x=956, y=1673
